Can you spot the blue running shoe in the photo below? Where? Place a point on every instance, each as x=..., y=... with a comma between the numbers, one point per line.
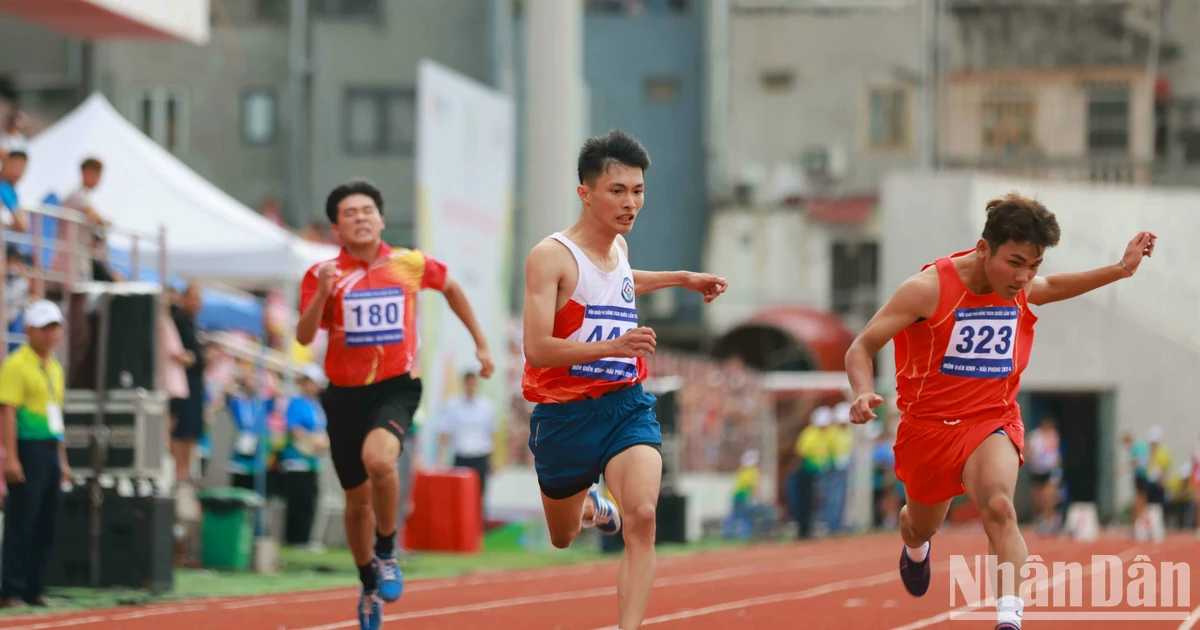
x=606, y=519
x=391, y=581
x=370, y=611
x=915, y=575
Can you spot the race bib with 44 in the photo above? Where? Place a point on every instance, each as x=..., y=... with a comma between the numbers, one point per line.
x=601, y=323
x=981, y=345
x=373, y=317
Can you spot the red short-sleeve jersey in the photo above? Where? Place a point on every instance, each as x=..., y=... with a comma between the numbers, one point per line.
x=371, y=314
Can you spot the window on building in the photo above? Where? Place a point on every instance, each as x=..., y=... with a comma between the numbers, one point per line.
x=638, y=7
x=662, y=89
x=779, y=80
x=855, y=276
x=1008, y=123
x=260, y=117
x=888, y=126
x=379, y=121
x=1108, y=118
x=161, y=114
x=273, y=10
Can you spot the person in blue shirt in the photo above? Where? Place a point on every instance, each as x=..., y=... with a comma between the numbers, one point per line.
x=11, y=172
x=249, y=411
x=300, y=459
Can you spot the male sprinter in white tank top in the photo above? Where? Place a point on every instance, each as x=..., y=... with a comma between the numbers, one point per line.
x=585, y=361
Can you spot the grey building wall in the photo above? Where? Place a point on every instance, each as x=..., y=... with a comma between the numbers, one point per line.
x=801, y=79
x=211, y=81
x=383, y=55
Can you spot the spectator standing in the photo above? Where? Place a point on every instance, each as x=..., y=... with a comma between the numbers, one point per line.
x=467, y=428
x=90, y=234
x=188, y=413
x=300, y=459
x=32, y=386
x=12, y=138
x=812, y=449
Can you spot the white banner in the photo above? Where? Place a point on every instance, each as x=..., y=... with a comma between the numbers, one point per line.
x=465, y=165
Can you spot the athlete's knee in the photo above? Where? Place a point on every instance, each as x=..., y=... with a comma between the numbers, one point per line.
x=640, y=523
x=358, y=503
x=380, y=466
x=998, y=511
x=923, y=531
x=562, y=538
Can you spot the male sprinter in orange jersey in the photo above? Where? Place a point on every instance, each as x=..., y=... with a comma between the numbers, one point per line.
x=367, y=299
x=585, y=361
x=963, y=330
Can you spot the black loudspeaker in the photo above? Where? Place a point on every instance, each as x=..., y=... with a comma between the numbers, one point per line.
x=666, y=411
x=130, y=337
x=671, y=524
x=672, y=519
x=137, y=545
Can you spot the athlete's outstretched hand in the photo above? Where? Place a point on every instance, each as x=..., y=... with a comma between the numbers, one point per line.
x=325, y=277
x=486, y=367
x=706, y=284
x=860, y=411
x=1141, y=246
x=638, y=342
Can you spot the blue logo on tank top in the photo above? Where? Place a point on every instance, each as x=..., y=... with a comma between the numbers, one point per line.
x=982, y=343
x=627, y=291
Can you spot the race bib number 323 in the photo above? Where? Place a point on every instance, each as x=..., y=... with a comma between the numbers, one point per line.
x=373, y=317
x=981, y=345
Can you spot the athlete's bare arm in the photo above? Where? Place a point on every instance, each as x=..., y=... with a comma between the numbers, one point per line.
x=310, y=319
x=649, y=281
x=1064, y=286
x=916, y=298
x=457, y=299
x=545, y=269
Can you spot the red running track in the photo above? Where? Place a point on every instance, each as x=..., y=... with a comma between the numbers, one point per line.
x=842, y=584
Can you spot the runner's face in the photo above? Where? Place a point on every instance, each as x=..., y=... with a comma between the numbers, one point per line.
x=616, y=196
x=359, y=221
x=1011, y=267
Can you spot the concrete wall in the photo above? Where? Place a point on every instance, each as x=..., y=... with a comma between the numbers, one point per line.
x=1122, y=338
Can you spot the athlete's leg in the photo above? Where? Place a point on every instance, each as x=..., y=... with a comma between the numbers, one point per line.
x=380, y=452
x=360, y=523
x=919, y=522
x=990, y=477
x=634, y=476
x=565, y=517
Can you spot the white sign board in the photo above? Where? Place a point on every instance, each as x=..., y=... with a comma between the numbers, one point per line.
x=464, y=172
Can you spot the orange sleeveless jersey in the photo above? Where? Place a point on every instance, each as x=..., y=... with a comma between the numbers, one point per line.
x=965, y=362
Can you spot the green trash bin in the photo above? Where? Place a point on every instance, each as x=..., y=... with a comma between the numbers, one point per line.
x=227, y=539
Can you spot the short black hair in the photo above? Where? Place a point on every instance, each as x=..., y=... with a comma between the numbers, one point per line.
x=615, y=147
x=1020, y=220
x=352, y=187
x=18, y=154
x=92, y=164
x=468, y=375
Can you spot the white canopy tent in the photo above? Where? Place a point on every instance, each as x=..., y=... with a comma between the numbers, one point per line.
x=210, y=235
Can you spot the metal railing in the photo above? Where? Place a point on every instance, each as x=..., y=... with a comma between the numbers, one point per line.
x=49, y=277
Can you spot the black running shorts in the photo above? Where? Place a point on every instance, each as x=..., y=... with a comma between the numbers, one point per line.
x=353, y=412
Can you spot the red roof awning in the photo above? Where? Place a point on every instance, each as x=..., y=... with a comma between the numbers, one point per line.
x=84, y=19
x=851, y=210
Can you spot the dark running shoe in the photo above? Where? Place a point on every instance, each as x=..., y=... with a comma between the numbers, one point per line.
x=915, y=575
x=1007, y=626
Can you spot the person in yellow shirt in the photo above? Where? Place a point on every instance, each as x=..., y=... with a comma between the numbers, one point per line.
x=1158, y=468
x=35, y=466
x=841, y=449
x=748, y=516
x=812, y=449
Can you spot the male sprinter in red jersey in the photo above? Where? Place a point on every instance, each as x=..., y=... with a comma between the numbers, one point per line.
x=367, y=299
x=963, y=330
x=585, y=361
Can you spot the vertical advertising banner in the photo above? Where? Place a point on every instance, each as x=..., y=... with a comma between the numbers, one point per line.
x=465, y=169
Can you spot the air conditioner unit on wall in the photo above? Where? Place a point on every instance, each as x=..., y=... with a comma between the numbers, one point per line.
x=825, y=161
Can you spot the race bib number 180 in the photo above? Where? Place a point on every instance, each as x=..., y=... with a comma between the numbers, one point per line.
x=981, y=345
x=374, y=317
